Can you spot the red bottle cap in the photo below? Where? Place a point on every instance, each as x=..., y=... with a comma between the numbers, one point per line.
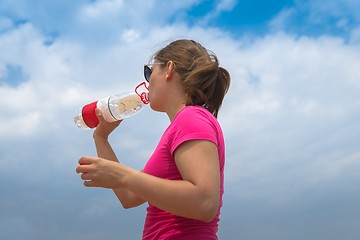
x=89, y=116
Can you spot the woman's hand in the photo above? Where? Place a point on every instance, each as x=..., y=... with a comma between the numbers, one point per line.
x=104, y=128
x=99, y=172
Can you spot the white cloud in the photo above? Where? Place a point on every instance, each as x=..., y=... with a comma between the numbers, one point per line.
x=220, y=7
x=100, y=8
x=226, y=5
x=5, y=24
x=290, y=118
x=29, y=106
x=318, y=17
x=130, y=35
x=281, y=20
x=328, y=8
x=19, y=115
x=278, y=82
x=355, y=36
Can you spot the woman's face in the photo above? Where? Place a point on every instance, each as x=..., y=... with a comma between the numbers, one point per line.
x=157, y=88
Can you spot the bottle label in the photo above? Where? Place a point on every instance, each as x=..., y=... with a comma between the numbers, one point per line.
x=89, y=115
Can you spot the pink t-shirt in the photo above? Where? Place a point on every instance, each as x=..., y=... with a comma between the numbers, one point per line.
x=191, y=123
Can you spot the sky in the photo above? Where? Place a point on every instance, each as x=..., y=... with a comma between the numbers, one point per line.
x=290, y=119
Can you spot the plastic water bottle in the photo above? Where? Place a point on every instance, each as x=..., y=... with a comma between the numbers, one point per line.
x=113, y=108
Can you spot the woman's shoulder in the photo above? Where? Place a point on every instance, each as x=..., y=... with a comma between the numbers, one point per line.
x=195, y=111
x=196, y=117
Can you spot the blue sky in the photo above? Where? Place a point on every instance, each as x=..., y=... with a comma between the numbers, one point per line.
x=290, y=118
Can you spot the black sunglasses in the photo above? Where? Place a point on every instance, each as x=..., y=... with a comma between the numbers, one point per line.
x=148, y=71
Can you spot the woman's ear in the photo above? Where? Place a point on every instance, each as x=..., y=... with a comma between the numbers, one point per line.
x=170, y=66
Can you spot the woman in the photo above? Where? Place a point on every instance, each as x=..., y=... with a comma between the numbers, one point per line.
x=183, y=181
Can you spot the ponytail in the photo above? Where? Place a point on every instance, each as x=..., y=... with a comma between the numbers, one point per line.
x=207, y=85
x=204, y=82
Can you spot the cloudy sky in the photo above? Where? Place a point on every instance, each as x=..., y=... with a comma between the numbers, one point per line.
x=291, y=117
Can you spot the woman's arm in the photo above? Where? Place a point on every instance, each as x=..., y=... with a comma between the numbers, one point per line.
x=196, y=196
x=105, y=151
x=126, y=197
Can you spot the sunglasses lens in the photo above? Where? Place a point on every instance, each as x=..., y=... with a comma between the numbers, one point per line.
x=147, y=73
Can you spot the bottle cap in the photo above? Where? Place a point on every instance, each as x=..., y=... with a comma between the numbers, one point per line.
x=89, y=115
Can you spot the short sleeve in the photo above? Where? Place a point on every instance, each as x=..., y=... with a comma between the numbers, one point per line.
x=192, y=124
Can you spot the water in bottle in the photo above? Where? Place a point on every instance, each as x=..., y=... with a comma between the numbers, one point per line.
x=113, y=108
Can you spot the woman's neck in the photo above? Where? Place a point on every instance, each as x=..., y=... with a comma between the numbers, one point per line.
x=173, y=111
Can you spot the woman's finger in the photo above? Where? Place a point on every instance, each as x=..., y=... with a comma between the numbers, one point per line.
x=86, y=176
x=86, y=160
x=90, y=183
x=99, y=115
x=82, y=169
x=84, y=166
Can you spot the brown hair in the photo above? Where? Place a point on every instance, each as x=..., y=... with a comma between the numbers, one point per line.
x=204, y=82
